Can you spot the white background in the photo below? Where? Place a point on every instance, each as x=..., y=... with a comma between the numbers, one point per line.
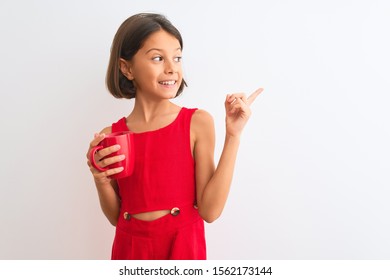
x=312, y=177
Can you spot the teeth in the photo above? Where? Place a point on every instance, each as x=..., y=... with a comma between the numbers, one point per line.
x=167, y=82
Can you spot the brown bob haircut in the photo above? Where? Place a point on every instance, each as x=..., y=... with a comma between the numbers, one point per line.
x=127, y=41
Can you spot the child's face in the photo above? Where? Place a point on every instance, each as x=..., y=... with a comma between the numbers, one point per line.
x=156, y=67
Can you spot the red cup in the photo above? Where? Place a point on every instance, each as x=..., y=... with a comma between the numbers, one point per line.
x=125, y=140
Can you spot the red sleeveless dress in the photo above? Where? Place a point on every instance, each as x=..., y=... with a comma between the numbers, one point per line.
x=163, y=178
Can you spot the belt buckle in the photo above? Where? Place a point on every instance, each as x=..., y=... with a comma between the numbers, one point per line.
x=126, y=216
x=175, y=211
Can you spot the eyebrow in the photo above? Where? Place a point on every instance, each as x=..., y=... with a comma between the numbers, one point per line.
x=161, y=50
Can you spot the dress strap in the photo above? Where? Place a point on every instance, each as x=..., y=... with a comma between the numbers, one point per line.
x=187, y=116
x=119, y=126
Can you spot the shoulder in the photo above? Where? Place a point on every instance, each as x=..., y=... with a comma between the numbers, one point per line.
x=202, y=116
x=202, y=122
x=106, y=130
x=109, y=129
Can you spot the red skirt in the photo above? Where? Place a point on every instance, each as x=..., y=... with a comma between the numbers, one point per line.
x=176, y=236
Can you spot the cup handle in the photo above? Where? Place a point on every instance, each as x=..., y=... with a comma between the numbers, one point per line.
x=92, y=158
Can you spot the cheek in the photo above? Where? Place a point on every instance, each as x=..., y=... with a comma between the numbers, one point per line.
x=145, y=77
x=180, y=74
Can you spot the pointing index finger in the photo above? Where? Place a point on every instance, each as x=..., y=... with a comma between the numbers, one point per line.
x=253, y=96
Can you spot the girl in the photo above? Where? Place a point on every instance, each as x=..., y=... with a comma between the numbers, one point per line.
x=159, y=210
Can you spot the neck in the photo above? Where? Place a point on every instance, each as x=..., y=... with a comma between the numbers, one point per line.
x=146, y=110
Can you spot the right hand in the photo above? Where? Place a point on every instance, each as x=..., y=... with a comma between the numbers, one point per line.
x=99, y=176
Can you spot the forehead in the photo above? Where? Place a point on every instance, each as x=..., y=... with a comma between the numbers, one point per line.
x=161, y=40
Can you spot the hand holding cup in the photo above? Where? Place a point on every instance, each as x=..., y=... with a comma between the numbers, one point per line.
x=112, y=155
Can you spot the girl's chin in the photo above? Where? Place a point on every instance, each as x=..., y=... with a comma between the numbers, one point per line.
x=171, y=93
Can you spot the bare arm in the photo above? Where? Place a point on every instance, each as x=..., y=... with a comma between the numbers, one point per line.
x=107, y=189
x=213, y=185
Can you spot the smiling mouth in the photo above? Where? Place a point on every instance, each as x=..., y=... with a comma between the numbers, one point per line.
x=167, y=83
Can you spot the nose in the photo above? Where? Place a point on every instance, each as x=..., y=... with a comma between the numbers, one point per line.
x=170, y=67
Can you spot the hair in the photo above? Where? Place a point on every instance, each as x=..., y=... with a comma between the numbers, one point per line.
x=129, y=38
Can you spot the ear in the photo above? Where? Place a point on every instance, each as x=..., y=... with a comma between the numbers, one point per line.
x=125, y=68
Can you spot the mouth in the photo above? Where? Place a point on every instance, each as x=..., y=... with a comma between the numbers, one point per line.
x=167, y=83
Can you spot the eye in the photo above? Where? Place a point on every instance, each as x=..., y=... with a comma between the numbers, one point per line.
x=177, y=58
x=157, y=58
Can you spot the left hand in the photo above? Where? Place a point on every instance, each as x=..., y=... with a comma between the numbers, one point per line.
x=238, y=111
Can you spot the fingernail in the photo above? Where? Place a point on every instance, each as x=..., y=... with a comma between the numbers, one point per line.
x=117, y=147
x=122, y=157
